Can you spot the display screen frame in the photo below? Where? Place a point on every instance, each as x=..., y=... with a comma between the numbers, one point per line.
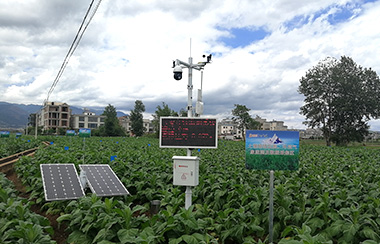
x=200, y=126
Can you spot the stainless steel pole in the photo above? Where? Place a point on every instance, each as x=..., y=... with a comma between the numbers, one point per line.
x=271, y=180
x=188, y=193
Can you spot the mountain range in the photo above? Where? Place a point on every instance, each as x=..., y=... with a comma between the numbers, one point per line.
x=15, y=116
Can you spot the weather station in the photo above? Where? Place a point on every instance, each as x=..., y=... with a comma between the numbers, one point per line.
x=189, y=132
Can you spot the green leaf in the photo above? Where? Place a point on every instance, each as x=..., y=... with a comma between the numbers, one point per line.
x=77, y=237
x=126, y=236
x=287, y=230
x=189, y=239
x=65, y=217
x=370, y=233
x=315, y=223
x=103, y=234
x=369, y=242
x=290, y=241
x=175, y=240
x=106, y=242
x=199, y=236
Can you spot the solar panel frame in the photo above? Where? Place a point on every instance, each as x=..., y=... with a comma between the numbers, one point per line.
x=61, y=182
x=103, y=181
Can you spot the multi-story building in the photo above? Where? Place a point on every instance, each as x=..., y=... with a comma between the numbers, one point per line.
x=54, y=115
x=148, y=125
x=87, y=120
x=126, y=123
x=271, y=125
x=228, y=129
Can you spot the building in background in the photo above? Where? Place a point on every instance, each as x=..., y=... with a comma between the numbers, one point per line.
x=126, y=124
x=271, y=125
x=87, y=120
x=57, y=115
x=228, y=129
x=54, y=116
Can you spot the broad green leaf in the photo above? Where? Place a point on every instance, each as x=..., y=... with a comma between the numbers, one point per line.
x=77, y=237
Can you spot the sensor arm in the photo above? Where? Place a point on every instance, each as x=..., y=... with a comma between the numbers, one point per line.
x=197, y=66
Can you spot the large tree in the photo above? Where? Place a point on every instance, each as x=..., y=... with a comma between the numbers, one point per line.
x=111, y=123
x=161, y=112
x=340, y=98
x=243, y=119
x=137, y=123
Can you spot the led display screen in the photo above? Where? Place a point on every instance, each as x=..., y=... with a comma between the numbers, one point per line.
x=188, y=132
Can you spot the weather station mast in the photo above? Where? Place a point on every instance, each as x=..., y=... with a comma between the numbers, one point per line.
x=178, y=65
x=189, y=132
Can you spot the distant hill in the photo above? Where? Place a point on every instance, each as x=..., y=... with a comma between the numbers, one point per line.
x=15, y=116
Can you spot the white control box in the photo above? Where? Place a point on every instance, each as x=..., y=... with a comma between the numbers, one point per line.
x=185, y=171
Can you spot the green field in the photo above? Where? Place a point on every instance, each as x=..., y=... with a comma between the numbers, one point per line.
x=334, y=197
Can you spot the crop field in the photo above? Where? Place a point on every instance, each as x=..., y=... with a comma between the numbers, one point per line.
x=334, y=197
x=12, y=145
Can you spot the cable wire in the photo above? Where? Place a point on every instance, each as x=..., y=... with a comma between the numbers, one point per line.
x=74, y=45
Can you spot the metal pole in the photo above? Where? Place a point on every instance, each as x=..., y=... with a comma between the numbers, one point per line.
x=84, y=147
x=35, y=129
x=188, y=193
x=271, y=180
x=190, y=89
x=188, y=199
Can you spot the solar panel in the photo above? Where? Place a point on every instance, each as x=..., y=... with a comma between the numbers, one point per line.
x=102, y=180
x=60, y=182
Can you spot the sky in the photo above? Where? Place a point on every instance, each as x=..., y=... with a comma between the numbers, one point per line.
x=260, y=51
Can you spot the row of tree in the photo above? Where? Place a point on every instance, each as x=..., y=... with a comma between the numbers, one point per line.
x=340, y=98
x=112, y=127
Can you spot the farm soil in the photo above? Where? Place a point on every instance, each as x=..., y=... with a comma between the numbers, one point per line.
x=60, y=235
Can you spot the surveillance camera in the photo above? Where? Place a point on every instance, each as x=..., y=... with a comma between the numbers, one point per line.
x=177, y=72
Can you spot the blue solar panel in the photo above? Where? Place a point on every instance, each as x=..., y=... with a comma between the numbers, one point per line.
x=102, y=180
x=60, y=182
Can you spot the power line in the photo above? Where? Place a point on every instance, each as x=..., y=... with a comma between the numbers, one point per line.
x=74, y=45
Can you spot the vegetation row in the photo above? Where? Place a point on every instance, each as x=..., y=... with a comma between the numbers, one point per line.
x=332, y=198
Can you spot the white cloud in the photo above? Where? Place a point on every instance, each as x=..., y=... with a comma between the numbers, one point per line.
x=127, y=51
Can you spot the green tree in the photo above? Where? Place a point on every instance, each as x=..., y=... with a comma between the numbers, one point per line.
x=137, y=123
x=243, y=119
x=161, y=112
x=111, y=123
x=183, y=112
x=340, y=98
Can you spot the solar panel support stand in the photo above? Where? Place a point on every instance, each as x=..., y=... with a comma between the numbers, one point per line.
x=83, y=179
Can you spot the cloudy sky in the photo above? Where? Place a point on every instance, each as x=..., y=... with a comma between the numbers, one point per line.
x=260, y=51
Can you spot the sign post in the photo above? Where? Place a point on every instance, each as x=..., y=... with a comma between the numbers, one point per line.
x=272, y=150
x=84, y=133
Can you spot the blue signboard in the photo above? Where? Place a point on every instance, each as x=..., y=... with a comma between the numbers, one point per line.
x=4, y=133
x=84, y=132
x=272, y=150
x=70, y=133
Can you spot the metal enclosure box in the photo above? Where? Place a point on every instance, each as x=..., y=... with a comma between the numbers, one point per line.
x=185, y=171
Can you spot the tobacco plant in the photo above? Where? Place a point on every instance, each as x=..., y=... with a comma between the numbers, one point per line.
x=332, y=198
